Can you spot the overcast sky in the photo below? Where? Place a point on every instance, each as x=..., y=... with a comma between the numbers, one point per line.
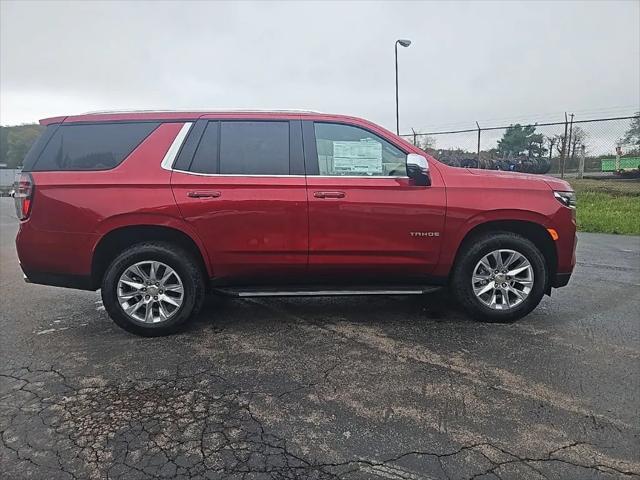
x=487, y=61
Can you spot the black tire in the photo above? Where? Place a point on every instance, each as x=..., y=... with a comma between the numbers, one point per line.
x=474, y=251
x=175, y=257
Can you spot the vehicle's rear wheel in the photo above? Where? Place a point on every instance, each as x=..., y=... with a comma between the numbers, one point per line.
x=152, y=288
x=501, y=277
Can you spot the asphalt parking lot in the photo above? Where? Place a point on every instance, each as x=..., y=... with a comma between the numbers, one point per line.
x=353, y=388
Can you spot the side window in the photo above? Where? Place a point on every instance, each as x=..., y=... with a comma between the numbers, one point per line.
x=99, y=146
x=353, y=151
x=36, y=149
x=205, y=160
x=254, y=148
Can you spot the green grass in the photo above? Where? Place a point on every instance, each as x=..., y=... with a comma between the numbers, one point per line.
x=608, y=206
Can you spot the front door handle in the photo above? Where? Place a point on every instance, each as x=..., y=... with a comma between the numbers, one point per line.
x=204, y=194
x=328, y=194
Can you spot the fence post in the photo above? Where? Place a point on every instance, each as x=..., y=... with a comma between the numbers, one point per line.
x=570, y=138
x=479, y=130
x=581, y=162
x=415, y=136
x=564, y=145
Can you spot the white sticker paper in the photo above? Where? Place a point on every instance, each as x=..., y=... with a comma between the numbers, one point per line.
x=364, y=156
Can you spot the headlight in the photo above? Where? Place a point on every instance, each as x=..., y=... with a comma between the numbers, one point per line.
x=568, y=199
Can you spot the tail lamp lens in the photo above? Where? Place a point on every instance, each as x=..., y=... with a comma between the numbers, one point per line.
x=23, y=196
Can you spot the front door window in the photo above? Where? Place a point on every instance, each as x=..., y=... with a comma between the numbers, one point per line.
x=345, y=150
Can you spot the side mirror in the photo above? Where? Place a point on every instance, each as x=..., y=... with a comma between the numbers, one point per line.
x=418, y=169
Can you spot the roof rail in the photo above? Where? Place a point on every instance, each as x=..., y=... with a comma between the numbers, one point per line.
x=248, y=110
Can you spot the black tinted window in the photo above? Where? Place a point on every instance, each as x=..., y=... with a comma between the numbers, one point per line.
x=37, y=147
x=92, y=147
x=205, y=159
x=258, y=148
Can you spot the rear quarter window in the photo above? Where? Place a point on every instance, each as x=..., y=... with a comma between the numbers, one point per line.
x=100, y=146
x=36, y=149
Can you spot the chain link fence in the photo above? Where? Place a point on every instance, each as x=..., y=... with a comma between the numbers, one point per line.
x=573, y=147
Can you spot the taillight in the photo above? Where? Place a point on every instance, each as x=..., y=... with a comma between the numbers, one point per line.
x=23, y=196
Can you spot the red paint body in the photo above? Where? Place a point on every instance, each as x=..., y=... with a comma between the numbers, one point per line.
x=264, y=229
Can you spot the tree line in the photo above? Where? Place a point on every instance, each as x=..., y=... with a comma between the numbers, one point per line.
x=525, y=149
x=16, y=141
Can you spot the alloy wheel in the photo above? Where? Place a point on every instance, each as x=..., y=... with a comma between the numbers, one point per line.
x=150, y=292
x=502, y=279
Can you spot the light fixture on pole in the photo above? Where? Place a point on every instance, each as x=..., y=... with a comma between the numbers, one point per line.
x=404, y=43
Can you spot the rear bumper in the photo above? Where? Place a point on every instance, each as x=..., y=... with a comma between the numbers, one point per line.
x=79, y=282
x=46, y=253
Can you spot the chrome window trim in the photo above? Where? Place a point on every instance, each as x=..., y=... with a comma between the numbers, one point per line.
x=357, y=176
x=275, y=176
x=172, y=153
x=199, y=174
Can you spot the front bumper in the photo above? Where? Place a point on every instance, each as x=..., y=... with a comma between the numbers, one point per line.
x=560, y=279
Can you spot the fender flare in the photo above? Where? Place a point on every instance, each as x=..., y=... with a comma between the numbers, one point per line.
x=136, y=219
x=461, y=232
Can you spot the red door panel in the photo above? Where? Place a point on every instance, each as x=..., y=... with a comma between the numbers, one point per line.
x=374, y=227
x=254, y=228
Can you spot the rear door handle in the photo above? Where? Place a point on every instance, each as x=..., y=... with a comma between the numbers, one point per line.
x=204, y=194
x=328, y=194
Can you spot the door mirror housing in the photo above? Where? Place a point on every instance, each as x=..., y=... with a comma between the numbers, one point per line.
x=418, y=169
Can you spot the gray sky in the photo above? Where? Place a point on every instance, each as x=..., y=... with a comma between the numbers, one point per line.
x=491, y=61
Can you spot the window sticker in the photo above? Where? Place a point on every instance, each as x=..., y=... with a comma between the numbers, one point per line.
x=360, y=157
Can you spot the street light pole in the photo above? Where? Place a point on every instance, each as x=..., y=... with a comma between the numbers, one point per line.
x=404, y=43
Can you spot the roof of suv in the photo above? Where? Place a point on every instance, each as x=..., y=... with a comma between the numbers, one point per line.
x=193, y=115
x=179, y=115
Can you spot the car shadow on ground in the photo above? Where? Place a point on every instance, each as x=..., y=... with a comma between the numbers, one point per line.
x=437, y=307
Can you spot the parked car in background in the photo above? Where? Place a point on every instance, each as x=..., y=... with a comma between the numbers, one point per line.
x=158, y=208
x=8, y=179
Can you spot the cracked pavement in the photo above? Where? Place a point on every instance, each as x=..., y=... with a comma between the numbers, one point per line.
x=326, y=388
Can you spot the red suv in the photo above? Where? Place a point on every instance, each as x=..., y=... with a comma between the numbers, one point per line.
x=157, y=208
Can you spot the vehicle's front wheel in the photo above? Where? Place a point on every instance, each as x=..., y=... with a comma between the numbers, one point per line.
x=501, y=277
x=152, y=289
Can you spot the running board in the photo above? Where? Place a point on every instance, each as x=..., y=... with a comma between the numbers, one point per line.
x=324, y=292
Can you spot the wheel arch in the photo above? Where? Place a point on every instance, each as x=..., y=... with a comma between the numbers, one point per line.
x=533, y=231
x=116, y=240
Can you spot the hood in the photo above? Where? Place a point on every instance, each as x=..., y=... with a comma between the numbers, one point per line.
x=552, y=182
